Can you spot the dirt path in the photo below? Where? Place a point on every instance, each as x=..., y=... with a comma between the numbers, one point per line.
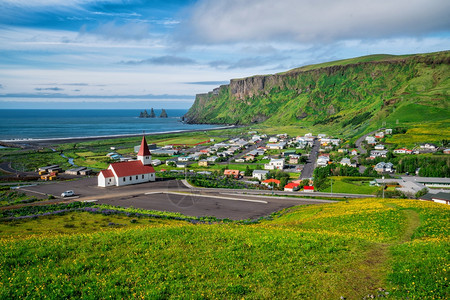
x=367, y=279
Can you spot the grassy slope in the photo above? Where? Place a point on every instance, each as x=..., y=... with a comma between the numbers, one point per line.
x=315, y=252
x=395, y=90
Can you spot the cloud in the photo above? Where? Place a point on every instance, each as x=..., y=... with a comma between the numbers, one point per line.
x=305, y=21
x=162, y=60
x=208, y=82
x=133, y=30
x=118, y=97
x=248, y=62
x=56, y=89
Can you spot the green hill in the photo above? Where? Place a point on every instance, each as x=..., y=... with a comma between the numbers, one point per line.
x=344, y=97
x=394, y=248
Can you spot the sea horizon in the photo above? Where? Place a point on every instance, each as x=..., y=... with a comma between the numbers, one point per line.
x=38, y=124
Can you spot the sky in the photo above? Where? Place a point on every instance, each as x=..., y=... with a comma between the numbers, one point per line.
x=119, y=54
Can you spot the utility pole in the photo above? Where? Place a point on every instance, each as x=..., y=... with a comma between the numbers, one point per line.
x=331, y=186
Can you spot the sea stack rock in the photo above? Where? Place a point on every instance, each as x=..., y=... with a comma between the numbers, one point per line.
x=163, y=114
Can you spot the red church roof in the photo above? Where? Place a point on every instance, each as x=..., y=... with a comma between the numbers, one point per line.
x=130, y=168
x=143, y=151
x=107, y=173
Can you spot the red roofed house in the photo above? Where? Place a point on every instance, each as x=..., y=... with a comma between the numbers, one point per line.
x=129, y=172
x=271, y=180
x=308, y=188
x=291, y=186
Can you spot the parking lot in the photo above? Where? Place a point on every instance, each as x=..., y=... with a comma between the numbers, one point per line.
x=173, y=196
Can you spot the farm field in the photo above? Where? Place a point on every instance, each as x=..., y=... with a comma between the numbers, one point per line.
x=394, y=248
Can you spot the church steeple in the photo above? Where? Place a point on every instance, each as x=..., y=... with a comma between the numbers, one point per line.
x=144, y=154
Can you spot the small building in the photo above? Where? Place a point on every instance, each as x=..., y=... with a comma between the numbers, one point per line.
x=277, y=146
x=384, y=167
x=354, y=152
x=271, y=182
x=379, y=135
x=388, y=131
x=403, y=151
x=347, y=162
x=275, y=164
x=203, y=163
x=75, y=171
x=322, y=160
x=308, y=188
x=447, y=151
x=343, y=150
x=429, y=146
x=232, y=173
x=291, y=187
x=379, y=147
x=260, y=174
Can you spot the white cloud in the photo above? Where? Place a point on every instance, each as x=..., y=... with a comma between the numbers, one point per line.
x=305, y=21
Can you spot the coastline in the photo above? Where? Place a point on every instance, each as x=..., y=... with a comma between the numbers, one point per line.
x=53, y=141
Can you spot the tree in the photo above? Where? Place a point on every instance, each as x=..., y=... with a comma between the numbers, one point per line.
x=422, y=192
x=283, y=182
x=248, y=171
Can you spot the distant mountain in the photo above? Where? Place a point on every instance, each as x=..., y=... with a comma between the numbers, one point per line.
x=345, y=95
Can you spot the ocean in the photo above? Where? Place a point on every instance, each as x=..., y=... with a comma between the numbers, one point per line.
x=68, y=123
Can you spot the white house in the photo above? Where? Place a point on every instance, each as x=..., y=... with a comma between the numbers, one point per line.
x=275, y=164
x=277, y=146
x=379, y=147
x=129, y=172
x=322, y=161
x=260, y=174
x=384, y=167
x=347, y=162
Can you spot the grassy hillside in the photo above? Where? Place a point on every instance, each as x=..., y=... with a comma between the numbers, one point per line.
x=395, y=248
x=345, y=97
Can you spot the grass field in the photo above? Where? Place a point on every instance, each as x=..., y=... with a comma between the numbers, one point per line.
x=352, y=185
x=395, y=248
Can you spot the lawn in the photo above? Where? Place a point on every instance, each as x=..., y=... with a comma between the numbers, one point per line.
x=348, y=249
x=352, y=185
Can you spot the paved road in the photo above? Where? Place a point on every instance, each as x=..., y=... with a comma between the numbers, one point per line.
x=310, y=165
x=358, y=142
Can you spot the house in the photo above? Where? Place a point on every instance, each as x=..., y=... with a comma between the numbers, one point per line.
x=379, y=147
x=379, y=135
x=384, y=167
x=335, y=142
x=291, y=186
x=322, y=160
x=212, y=158
x=402, y=151
x=294, y=159
x=343, y=150
x=378, y=153
x=428, y=146
x=321, y=136
x=276, y=146
x=271, y=182
x=232, y=173
x=275, y=164
x=260, y=174
x=129, y=172
x=156, y=162
x=203, y=163
x=347, y=162
x=447, y=151
x=371, y=140
x=388, y=131
x=182, y=164
x=354, y=152
x=185, y=158
x=308, y=188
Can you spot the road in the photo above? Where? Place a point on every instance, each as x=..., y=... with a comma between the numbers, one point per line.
x=359, y=141
x=310, y=165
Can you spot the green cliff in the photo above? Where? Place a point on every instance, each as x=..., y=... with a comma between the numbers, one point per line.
x=346, y=95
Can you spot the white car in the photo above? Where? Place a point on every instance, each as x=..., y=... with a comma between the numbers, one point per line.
x=67, y=193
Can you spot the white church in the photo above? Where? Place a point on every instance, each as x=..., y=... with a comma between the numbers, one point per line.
x=129, y=172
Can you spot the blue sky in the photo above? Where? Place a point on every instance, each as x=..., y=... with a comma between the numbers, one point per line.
x=139, y=54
